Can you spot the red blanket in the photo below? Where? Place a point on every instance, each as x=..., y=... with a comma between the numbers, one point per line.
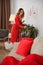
x=32, y=59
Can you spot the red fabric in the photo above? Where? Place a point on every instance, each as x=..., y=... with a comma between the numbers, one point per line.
x=15, y=29
x=10, y=25
x=9, y=60
x=31, y=59
x=24, y=46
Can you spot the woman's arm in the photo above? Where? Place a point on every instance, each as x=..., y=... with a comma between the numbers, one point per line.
x=17, y=20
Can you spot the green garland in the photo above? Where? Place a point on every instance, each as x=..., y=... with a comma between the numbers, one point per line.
x=29, y=31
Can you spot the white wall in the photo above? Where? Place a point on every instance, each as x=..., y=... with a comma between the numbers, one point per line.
x=37, y=5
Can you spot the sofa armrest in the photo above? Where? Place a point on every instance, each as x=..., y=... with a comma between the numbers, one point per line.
x=14, y=54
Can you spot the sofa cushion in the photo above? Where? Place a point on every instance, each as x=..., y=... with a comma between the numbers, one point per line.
x=37, y=47
x=24, y=46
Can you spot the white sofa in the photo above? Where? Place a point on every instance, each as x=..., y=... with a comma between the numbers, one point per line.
x=13, y=52
x=37, y=48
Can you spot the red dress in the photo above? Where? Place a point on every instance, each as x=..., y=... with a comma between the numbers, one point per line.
x=15, y=29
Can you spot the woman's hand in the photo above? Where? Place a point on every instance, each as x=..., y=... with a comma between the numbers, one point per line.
x=23, y=21
x=25, y=26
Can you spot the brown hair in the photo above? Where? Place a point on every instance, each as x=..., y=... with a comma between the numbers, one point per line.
x=20, y=11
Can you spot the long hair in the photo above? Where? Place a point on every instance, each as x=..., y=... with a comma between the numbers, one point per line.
x=20, y=11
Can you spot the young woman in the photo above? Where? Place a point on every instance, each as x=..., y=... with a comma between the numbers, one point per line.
x=17, y=25
x=15, y=28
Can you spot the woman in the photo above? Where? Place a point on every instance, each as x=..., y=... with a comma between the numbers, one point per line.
x=16, y=27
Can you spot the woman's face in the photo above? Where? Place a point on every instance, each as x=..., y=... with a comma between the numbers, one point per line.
x=21, y=12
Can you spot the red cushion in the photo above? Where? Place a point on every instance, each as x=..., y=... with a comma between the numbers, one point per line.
x=24, y=46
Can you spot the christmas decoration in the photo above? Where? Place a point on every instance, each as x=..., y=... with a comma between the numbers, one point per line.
x=29, y=31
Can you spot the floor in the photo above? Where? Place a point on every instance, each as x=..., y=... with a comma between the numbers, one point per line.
x=3, y=52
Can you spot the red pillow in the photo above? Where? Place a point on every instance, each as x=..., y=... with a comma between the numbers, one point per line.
x=24, y=46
